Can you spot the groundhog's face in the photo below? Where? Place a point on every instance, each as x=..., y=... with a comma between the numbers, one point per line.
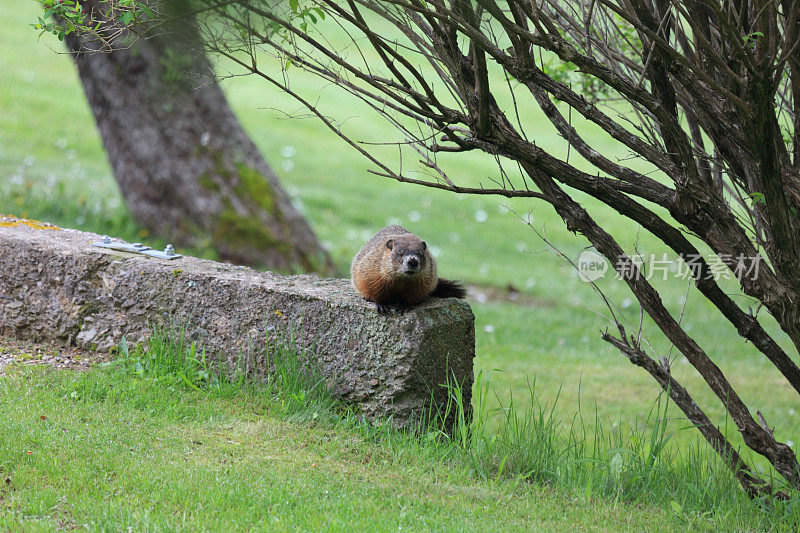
x=408, y=255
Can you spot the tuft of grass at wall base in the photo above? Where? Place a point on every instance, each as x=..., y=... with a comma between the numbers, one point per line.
x=160, y=440
x=294, y=388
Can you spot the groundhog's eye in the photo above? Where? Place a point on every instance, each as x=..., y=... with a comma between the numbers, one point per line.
x=424, y=246
x=390, y=244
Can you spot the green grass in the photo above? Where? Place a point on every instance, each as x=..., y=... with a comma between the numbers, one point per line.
x=52, y=167
x=159, y=441
x=145, y=450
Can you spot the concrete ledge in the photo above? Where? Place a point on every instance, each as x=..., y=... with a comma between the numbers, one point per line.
x=55, y=286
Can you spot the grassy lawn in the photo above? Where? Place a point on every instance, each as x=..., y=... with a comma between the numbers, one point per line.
x=132, y=447
x=52, y=167
x=152, y=459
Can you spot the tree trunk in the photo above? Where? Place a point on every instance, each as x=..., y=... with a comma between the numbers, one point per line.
x=185, y=166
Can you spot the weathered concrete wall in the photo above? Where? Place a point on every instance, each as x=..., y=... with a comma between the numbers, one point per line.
x=55, y=286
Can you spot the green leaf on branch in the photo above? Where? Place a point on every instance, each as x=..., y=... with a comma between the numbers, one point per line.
x=758, y=198
x=752, y=36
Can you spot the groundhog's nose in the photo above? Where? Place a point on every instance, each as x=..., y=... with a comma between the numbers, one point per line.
x=412, y=263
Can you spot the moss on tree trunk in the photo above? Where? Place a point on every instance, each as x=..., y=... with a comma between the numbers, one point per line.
x=186, y=168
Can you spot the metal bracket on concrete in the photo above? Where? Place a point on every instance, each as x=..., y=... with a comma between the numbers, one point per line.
x=137, y=248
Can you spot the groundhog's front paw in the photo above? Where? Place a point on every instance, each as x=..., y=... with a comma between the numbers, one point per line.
x=383, y=309
x=388, y=309
x=401, y=309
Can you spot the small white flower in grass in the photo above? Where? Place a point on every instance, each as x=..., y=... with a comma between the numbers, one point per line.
x=481, y=297
x=29, y=160
x=790, y=443
x=61, y=143
x=626, y=303
x=791, y=411
x=288, y=151
x=488, y=328
x=414, y=216
x=436, y=251
x=481, y=215
x=77, y=171
x=530, y=282
x=287, y=165
x=350, y=235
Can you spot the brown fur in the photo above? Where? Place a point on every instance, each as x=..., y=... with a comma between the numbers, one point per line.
x=378, y=273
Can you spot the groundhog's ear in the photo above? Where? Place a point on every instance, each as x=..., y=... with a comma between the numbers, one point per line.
x=390, y=243
x=424, y=246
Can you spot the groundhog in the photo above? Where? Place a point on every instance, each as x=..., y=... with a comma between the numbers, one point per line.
x=395, y=270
